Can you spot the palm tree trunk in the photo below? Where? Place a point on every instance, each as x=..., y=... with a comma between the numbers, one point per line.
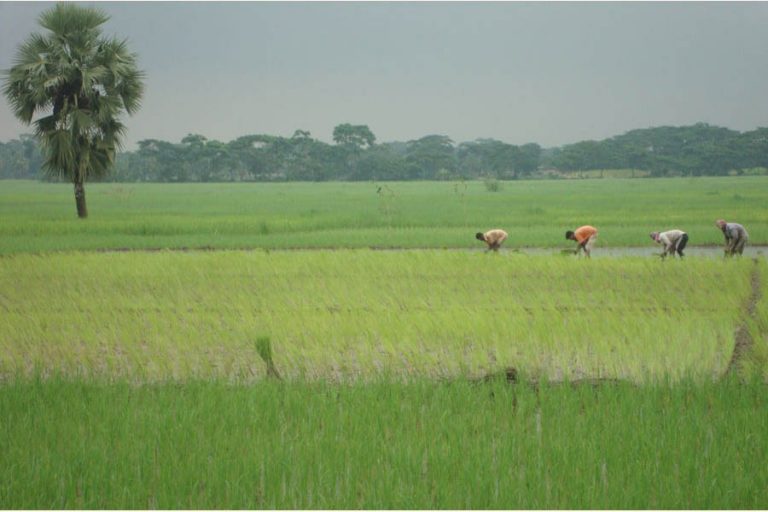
x=82, y=210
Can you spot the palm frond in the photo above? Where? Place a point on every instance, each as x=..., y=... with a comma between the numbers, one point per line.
x=80, y=121
x=102, y=158
x=94, y=76
x=59, y=150
x=113, y=132
x=131, y=90
x=66, y=19
x=45, y=124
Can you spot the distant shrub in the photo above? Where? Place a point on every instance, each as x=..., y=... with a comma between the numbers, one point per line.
x=492, y=184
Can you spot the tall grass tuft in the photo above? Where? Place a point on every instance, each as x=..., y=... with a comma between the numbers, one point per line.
x=264, y=348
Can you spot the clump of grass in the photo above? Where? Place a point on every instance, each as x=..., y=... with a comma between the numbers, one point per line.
x=492, y=184
x=264, y=348
x=387, y=202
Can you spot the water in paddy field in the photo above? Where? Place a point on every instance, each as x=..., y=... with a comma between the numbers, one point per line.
x=757, y=251
x=615, y=252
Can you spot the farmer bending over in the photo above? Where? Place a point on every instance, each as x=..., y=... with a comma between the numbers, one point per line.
x=493, y=238
x=674, y=240
x=736, y=237
x=585, y=237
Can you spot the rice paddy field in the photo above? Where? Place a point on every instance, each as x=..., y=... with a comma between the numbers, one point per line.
x=292, y=364
x=39, y=217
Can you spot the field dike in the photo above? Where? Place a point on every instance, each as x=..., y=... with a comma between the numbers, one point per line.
x=743, y=339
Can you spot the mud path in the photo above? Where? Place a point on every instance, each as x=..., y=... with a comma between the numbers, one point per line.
x=743, y=338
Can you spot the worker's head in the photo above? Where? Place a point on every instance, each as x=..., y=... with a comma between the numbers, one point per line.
x=570, y=235
x=480, y=236
x=655, y=236
x=720, y=223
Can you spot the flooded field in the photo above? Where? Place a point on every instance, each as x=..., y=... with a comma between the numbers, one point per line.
x=618, y=252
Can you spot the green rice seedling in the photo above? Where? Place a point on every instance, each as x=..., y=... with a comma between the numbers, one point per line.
x=357, y=314
x=382, y=445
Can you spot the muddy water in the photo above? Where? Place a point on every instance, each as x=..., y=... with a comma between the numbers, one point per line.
x=602, y=252
x=758, y=251
x=615, y=252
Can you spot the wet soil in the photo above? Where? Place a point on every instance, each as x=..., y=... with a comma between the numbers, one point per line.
x=743, y=338
x=709, y=251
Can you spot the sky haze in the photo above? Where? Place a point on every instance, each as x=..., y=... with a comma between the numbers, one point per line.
x=550, y=73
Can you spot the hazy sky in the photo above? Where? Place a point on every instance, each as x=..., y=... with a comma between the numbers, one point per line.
x=551, y=73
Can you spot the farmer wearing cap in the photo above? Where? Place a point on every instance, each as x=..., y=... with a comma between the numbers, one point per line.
x=736, y=237
x=585, y=237
x=494, y=238
x=673, y=240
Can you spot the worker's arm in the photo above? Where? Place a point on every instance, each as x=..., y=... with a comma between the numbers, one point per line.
x=665, y=242
x=730, y=240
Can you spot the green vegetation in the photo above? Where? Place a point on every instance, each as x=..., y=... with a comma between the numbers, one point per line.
x=385, y=445
x=141, y=379
x=695, y=150
x=36, y=216
x=361, y=314
x=755, y=360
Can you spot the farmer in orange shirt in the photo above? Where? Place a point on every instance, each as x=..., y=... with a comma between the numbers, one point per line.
x=493, y=238
x=585, y=237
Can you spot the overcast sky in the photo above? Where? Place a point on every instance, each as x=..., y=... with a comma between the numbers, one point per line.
x=551, y=73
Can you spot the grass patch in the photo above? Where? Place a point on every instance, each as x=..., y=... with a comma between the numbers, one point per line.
x=382, y=445
x=40, y=217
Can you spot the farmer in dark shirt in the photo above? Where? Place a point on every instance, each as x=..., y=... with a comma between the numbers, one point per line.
x=736, y=237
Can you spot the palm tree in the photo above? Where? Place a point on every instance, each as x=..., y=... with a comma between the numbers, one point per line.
x=78, y=83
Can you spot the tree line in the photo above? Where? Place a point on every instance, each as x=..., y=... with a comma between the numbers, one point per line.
x=355, y=155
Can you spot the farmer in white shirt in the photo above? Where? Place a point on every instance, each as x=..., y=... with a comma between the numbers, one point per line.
x=736, y=237
x=493, y=238
x=673, y=240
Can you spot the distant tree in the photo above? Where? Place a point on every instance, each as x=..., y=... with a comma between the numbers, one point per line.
x=308, y=159
x=470, y=160
x=21, y=158
x=582, y=156
x=302, y=134
x=428, y=155
x=196, y=158
x=496, y=159
x=162, y=161
x=355, y=136
x=528, y=158
x=381, y=162
x=753, y=148
x=257, y=156
x=80, y=82
x=485, y=157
